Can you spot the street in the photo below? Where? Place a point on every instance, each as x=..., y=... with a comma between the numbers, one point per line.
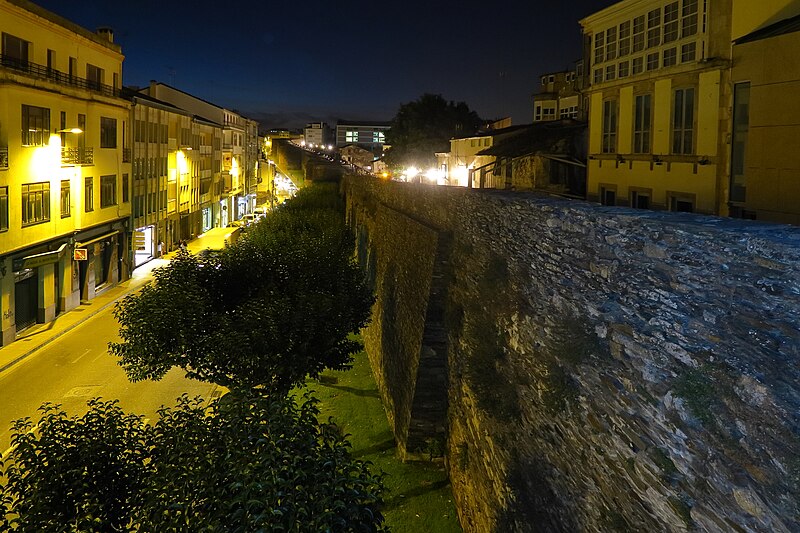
x=77, y=366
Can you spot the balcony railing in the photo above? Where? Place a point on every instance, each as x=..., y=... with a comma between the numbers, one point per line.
x=126, y=155
x=46, y=73
x=77, y=156
x=4, y=158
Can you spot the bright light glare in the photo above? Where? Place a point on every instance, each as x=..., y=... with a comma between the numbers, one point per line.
x=411, y=172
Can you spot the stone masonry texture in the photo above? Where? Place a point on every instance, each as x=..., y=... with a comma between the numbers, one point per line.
x=607, y=369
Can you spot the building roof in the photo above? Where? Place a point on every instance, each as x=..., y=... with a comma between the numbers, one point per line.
x=781, y=27
x=553, y=137
x=68, y=24
x=493, y=133
x=133, y=93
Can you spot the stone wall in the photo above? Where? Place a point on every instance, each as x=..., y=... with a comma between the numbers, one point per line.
x=608, y=369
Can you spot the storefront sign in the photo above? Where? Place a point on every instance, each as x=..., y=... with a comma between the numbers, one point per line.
x=80, y=254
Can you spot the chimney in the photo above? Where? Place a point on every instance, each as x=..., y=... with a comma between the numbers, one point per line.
x=106, y=33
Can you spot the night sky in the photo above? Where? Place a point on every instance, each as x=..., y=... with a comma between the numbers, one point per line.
x=286, y=63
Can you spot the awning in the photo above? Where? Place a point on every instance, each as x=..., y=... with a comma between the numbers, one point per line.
x=37, y=260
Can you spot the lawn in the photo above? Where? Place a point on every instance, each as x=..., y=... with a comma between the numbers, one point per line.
x=419, y=498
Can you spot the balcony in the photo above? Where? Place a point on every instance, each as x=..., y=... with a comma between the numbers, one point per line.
x=77, y=156
x=3, y=158
x=42, y=72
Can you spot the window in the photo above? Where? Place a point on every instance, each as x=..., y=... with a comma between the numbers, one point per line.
x=624, y=46
x=66, y=210
x=671, y=22
x=623, y=69
x=652, y=61
x=688, y=52
x=638, y=65
x=642, y=118
x=108, y=191
x=378, y=137
x=608, y=196
x=741, y=129
x=94, y=76
x=88, y=195
x=108, y=132
x=599, y=41
x=35, y=203
x=638, y=34
x=609, y=126
x=611, y=43
x=683, y=121
x=35, y=125
x=537, y=112
x=51, y=61
x=125, y=189
x=598, y=75
x=73, y=68
x=3, y=208
x=689, y=18
x=681, y=203
x=15, y=51
x=670, y=57
x=654, y=28
x=611, y=72
x=640, y=199
x=351, y=136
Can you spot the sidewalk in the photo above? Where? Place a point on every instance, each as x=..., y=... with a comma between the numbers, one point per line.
x=39, y=335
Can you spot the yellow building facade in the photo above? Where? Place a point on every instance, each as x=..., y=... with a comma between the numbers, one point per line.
x=661, y=93
x=64, y=166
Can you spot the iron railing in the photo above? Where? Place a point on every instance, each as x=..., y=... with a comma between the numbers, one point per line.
x=47, y=73
x=77, y=156
x=4, y=157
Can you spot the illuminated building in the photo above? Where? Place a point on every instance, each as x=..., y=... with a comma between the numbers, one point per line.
x=64, y=166
x=369, y=135
x=559, y=96
x=660, y=100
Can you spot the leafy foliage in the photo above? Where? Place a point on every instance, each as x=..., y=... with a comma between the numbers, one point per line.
x=264, y=312
x=425, y=126
x=248, y=463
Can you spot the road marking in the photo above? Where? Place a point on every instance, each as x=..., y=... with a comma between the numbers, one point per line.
x=99, y=356
x=81, y=355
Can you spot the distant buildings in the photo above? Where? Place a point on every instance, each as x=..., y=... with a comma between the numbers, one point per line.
x=317, y=134
x=369, y=135
x=559, y=97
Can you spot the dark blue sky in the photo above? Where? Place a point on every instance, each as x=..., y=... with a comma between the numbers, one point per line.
x=289, y=62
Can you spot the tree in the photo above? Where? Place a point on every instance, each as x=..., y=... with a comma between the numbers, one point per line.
x=249, y=462
x=267, y=311
x=425, y=126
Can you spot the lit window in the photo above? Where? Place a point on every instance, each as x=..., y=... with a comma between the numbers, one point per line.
x=641, y=124
x=378, y=137
x=35, y=203
x=609, y=144
x=35, y=125
x=683, y=121
x=351, y=136
x=66, y=210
